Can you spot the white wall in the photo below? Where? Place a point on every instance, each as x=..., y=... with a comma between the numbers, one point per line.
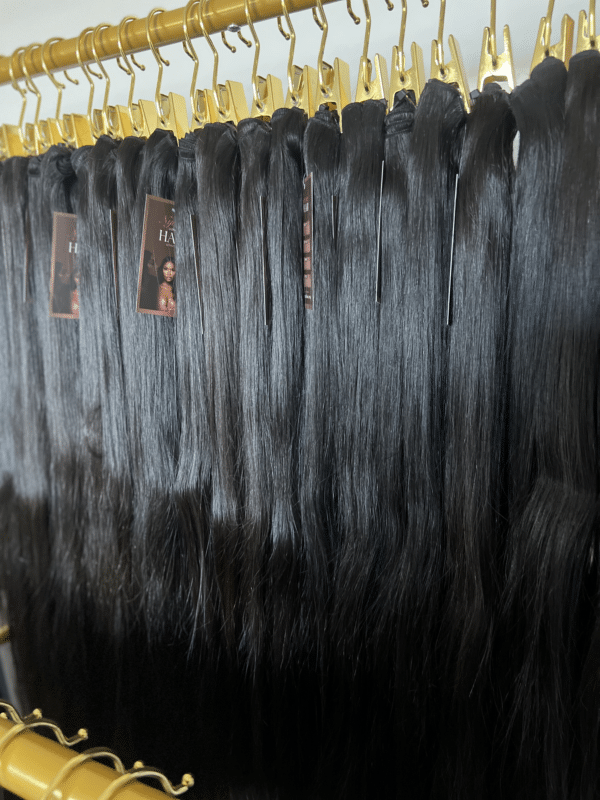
x=38, y=20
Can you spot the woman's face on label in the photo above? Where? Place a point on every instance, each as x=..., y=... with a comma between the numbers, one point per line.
x=169, y=271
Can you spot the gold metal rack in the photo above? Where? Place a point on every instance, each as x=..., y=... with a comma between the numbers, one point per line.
x=37, y=768
x=168, y=28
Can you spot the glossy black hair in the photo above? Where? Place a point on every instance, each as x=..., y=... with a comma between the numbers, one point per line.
x=533, y=655
x=475, y=505
x=418, y=596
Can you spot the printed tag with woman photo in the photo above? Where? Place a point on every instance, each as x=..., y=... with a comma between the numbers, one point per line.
x=157, y=293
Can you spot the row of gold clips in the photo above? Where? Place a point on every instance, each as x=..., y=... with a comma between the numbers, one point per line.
x=38, y=770
x=308, y=88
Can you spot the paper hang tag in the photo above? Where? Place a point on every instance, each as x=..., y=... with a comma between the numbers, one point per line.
x=157, y=291
x=64, y=275
x=307, y=241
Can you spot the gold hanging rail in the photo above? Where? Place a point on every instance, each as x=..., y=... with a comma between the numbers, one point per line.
x=38, y=768
x=167, y=29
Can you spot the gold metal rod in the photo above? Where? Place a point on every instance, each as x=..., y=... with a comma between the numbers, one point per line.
x=30, y=763
x=167, y=29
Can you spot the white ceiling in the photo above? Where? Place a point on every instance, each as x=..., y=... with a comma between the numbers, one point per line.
x=38, y=20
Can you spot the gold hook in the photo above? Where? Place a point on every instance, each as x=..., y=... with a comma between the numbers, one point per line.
x=221, y=111
x=31, y=138
x=257, y=99
x=160, y=60
x=324, y=27
x=133, y=110
x=11, y=136
x=101, y=121
x=234, y=29
x=452, y=72
x=333, y=81
x=302, y=82
x=188, y=48
x=367, y=29
x=440, y=38
x=86, y=70
x=74, y=763
x=289, y=36
x=402, y=79
x=267, y=92
x=494, y=67
x=543, y=44
x=17, y=88
x=369, y=87
x=586, y=30
x=493, y=49
x=58, y=85
x=140, y=771
x=29, y=82
x=353, y=16
x=51, y=130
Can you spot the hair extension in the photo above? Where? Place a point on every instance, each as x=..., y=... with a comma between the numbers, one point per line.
x=107, y=462
x=150, y=380
x=474, y=501
x=217, y=176
x=434, y=150
x=577, y=409
x=321, y=147
x=193, y=481
x=533, y=650
x=553, y=530
x=389, y=541
x=297, y=566
x=25, y=550
x=200, y=609
x=254, y=141
x=355, y=456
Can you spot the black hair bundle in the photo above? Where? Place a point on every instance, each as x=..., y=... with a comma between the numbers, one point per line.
x=218, y=180
x=332, y=497
x=558, y=524
x=356, y=385
x=532, y=708
x=532, y=656
x=199, y=608
x=475, y=402
x=321, y=148
x=25, y=545
x=434, y=153
x=150, y=380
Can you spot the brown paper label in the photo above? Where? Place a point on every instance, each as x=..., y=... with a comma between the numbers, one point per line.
x=64, y=277
x=157, y=293
x=307, y=240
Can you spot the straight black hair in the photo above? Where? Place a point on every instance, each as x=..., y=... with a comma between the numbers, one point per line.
x=433, y=158
x=150, y=381
x=321, y=148
x=475, y=401
x=533, y=652
x=26, y=549
x=355, y=452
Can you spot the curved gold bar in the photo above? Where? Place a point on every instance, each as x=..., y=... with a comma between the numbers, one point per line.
x=29, y=764
x=168, y=29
